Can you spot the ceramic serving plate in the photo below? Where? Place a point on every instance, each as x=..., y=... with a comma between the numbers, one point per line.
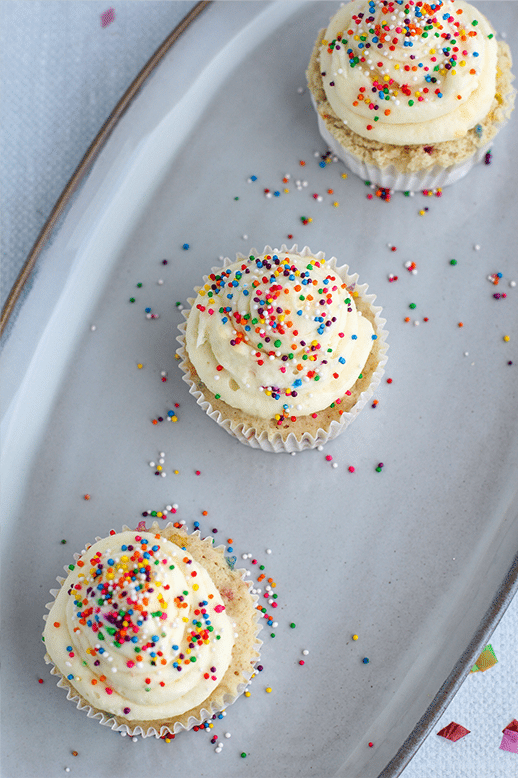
x=414, y=551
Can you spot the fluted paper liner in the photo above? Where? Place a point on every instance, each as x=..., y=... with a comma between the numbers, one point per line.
x=238, y=675
x=275, y=440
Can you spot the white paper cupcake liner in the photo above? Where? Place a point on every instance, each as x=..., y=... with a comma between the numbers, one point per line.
x=107, y=719
x=277, y=442
x=391, y=178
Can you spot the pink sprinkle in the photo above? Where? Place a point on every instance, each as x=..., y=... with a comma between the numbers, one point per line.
x=109, y=691
x=219, y=608
x=107, y=17
x=351, y=469
x=329, y=457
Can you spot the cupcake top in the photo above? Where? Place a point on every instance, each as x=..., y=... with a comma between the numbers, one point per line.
x=407, y=71
x=278, y=334
x=139, y=629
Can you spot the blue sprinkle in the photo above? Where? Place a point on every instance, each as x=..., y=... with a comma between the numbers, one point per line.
x=354, y=337
x=374, y=337
x=341, y=360
x=185, y=246
x=253, y=178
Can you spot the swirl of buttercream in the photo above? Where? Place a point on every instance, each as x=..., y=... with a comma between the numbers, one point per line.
x=405, y=72
x=278, y=334
x=139, y=629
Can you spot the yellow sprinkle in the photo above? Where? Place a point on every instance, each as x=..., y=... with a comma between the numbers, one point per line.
x=184, y=618
x=286, y=191
x=247, y=694
x=195, y=587
x=160, y=514
x=335, y=204
x=268, y=689
x=507, y=338
x=344, y=175
x=140, y=366
x=176, y=472
x=355, y=294
x=396, y=67
x=422, y=213
x=355, y=637
x=174, y=418
x=159, y=467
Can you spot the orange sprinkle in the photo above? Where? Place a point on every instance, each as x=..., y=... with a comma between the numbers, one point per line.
x=57, y=624
x=461, y=324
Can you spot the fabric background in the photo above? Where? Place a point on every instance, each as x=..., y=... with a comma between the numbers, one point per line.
x=61, y=73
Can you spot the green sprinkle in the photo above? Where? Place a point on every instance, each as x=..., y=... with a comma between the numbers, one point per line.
x=412, y=305
x=132, y=299
x=139, y=285
x=63, y=541
x=453, y=261
x=217, y=396
x=272, y=634
x=243, y=755
x=277, y=343
x=293, y=625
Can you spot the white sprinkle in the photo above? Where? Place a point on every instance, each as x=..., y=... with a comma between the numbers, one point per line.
x=476, y=247
x=334, y=465
x=227, y=734
x=512, y=284
x=268, y=550
x=245, y=237
x=93, y=328
x=305, y=652
x=151, y=464
x=160, y=282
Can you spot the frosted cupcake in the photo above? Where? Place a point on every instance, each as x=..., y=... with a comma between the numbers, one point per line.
x=282, y=348
x=152, y=632
x=410, y=94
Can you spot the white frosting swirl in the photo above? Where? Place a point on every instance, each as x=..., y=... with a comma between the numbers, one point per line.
x=139, y=629
x=405, y=72
x=278, y=335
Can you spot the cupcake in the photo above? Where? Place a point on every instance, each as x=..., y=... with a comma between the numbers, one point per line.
x=410, y=94
x=282, y=348
x=152, y=632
